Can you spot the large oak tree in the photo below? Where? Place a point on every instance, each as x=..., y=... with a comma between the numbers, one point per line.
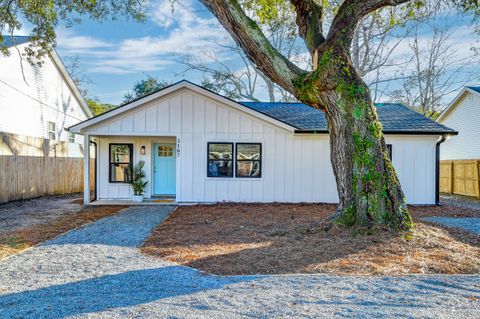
x=368, y=187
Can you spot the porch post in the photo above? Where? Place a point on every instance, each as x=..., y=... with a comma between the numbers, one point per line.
x=86, y=169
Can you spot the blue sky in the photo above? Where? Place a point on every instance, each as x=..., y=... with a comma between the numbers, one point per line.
x=116, y=54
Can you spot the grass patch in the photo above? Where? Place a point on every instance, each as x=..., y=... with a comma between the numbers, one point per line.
x=14, y=242
x=234, y=239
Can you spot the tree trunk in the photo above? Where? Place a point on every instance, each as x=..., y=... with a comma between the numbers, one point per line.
x=368, y=188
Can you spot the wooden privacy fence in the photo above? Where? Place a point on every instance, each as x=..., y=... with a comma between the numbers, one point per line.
x=32, y=167
x=460, y=177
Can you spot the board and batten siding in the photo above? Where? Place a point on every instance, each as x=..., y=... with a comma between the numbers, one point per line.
x=464, y=118
x=295, y=167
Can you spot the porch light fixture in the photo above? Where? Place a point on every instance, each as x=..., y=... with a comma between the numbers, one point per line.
x=142, y=150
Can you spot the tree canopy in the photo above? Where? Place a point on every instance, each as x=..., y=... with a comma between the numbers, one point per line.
x=144, y=87
x=98, y=107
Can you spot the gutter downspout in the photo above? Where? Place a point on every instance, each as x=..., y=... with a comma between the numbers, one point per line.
x=437, y=168
x=95, y=167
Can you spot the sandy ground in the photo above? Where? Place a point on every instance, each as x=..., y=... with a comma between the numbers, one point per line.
x=21, y=214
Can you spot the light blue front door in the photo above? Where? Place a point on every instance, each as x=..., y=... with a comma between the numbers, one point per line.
x=164, y=169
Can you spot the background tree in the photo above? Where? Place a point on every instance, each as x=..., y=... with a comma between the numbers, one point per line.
x=77, y=73
x=240, y=79
x=144, y=87
x=436, y=69
x=98, y=107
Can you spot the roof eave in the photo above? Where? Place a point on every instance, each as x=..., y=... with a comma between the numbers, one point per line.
x=397, y=132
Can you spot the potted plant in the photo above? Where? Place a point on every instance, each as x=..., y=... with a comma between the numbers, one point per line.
x=137, y=181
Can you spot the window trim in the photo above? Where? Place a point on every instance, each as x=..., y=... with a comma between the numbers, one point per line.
x=259, y=160
x=232, y=160
x=71, y=137
x=49, y=131
x=110, y=161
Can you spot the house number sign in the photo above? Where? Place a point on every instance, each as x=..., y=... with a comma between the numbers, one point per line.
x=178, y=147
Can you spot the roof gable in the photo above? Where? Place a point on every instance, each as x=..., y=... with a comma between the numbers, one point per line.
x=78, y=128
x=451, y=107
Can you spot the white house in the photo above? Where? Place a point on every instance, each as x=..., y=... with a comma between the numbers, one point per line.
x=38, y=101
x=463, y=115
x=199, y=147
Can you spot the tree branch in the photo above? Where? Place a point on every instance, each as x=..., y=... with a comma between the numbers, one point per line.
x=309, y=20
x=251, y=39
x=350, y=14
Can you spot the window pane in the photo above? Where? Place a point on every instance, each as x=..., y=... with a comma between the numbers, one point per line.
x=120, y=153
x=119, y=172
x=220, y=168
x=248, y=151
x=248, y=168
x=51, y=136
x=51, y=126
x=220, y=151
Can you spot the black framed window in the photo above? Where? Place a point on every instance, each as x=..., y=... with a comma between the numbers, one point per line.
x=389, y=148
x=120, y=162
x=220, y=160
x=248, y=160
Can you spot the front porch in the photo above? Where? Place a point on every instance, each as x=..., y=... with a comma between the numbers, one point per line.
x=115, y=154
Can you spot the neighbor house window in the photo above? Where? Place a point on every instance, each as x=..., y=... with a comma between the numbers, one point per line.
x=389, y=147
x=51, y=130
x=249, y=160
x=220, y=160
x=121, y=158
x=71, y=137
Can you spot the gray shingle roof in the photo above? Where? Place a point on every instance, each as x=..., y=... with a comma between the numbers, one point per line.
x=474, y=88
x=395, y=118
x=9, y=41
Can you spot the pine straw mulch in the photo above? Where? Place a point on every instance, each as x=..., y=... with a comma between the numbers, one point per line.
x=244, y=239
x=14, y=242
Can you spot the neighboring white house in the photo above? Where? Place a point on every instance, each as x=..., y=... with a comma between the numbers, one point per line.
x=38, y=101
x=199, y=147
x=463, y=115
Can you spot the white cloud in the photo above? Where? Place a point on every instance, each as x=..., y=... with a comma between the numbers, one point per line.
x=185, y=30
x=75, y=43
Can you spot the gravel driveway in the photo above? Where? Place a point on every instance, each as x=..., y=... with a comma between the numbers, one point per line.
x=97, y=272
x=470, y=224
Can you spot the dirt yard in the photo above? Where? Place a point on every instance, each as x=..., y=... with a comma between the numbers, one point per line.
x=232, y=239
x=27, y=223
